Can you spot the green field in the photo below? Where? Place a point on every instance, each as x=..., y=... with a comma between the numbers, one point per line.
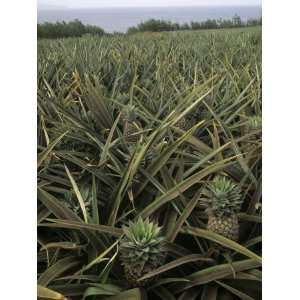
x=144, y=126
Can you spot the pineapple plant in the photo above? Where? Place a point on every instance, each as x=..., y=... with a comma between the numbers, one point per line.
x=223, y=205
x=132, y=126
x=141, y=250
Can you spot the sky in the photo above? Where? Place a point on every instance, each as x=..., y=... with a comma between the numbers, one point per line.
x=137, y=3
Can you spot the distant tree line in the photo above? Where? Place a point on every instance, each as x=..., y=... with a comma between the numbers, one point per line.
x=66, y=29
x=153, y=25
x=76, y=28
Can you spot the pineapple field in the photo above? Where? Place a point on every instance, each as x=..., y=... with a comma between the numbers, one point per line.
x=149, y=166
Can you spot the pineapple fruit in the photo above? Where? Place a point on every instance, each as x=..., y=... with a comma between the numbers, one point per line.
x=131, y=130
x=141, y=251
x=132, y=126
x=184, y=124
x=224, y=204
x=254, y=123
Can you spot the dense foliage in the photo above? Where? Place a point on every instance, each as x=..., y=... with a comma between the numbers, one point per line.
x=67, y=29
x=160, y=25
x=194, y=96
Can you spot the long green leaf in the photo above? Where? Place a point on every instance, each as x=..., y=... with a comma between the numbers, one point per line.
x=78, y=195
x=134, y=294
x=215, y=273
x=176, y=263
x=183, y=186
x=185, y=214
x=101, y=290
x=62, y=212
x=234, y=291
x=57, y=269
x=220, y=240
x=50, y=147
x=45, y=293
x=58, y=223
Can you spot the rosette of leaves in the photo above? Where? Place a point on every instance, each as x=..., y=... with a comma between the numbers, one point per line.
x=141, y=250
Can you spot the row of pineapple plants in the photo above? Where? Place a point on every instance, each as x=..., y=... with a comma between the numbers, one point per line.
x=149, y=166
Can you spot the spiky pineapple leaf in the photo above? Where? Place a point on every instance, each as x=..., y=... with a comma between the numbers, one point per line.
x=191, y=294
x=184, y=215
x=46, y=293
x=234, y=291
x=63, y=212
x=176, y=263
x=48, y=150
x=78, y=195
x=211, y=274
x=133, y=294
x=163, y=293
x=220, y=240
x=61, y=223
x=101, y=290
x=57, y=269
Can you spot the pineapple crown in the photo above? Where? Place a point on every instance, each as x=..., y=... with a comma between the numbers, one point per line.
x=142, y=232
x=225, y=196
x=254, y=122
x=141, y=250
x=123, y=98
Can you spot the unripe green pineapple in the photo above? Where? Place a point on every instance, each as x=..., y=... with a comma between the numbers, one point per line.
x=132, y=126
x=226, y=226
x=251, y=150
x=224, y=204
x=184, y=124
x=200, y=114
x=131, y=132
x=141, y=250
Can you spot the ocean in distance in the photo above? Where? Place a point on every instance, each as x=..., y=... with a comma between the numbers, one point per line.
x=120, y=19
